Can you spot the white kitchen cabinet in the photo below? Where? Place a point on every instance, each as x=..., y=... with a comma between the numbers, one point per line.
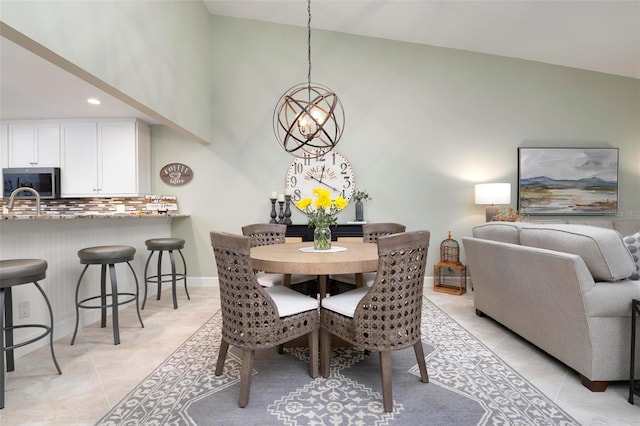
x=79, y=159
x=34, y=144
x=105, y=158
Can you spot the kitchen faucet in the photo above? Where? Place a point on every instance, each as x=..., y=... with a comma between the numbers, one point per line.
x=24, y=188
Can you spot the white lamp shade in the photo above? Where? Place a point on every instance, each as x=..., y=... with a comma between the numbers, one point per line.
x=493, y=193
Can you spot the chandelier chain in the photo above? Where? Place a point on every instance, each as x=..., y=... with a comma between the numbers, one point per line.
x=308, y=120
x=309, y=41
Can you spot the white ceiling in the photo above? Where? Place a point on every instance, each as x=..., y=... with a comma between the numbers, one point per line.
x=601, y=36
x=589, y=34
x=34, y=88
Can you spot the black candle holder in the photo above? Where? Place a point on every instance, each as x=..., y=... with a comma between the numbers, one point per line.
x=273, y=211
x=287, y=209
x=281, y=214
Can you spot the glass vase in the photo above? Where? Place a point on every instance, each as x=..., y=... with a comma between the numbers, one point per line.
x=322, y=238
x=359, y=211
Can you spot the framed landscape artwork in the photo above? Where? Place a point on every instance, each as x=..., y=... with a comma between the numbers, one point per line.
x=568, y=181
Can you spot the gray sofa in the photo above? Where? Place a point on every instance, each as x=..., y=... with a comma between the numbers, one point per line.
x=563, y=287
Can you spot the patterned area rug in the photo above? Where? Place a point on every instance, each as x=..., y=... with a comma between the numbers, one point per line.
x=468, y=385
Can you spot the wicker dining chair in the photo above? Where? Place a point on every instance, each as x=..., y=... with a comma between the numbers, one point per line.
x=254, y=317
x=263, y=234
x=386, y=316
x=370, y=234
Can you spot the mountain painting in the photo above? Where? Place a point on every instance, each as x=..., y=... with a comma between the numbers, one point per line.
x=568, y=181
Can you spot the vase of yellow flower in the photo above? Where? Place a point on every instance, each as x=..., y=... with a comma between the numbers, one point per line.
x=322, y=214
x=322, y=238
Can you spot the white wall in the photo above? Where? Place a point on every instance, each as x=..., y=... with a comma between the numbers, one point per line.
x=424, y=124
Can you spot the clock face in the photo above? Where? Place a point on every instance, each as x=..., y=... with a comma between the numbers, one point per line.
x=329, y=170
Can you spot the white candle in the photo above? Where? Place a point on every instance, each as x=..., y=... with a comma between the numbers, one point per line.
x=287, y=191
x=280, y=197
x=274, y=194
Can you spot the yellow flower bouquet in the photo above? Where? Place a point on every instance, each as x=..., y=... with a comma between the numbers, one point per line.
x=322, y=214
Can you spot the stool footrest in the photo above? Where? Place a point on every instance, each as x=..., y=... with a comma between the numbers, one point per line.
x=46, y=328
x=154, y=278
x=83, y=304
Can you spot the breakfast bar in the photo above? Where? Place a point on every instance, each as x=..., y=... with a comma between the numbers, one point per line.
x=57, y=240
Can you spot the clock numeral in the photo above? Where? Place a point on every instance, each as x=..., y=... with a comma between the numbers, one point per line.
x=322, y=168
x=347, y=183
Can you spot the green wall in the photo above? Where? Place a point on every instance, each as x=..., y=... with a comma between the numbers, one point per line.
x=423, y=125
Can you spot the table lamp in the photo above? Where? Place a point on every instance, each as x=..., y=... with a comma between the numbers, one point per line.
x=492, y=194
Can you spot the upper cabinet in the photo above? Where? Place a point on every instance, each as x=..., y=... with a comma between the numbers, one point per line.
x=34, y=144
x=105, y=158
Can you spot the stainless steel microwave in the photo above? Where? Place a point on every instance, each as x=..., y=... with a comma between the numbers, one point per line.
x=45, y=180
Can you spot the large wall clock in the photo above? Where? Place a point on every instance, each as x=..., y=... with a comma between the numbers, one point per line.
x=330, y=170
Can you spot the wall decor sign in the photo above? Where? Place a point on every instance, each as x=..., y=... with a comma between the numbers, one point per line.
x=176, y=174
x=568, y=181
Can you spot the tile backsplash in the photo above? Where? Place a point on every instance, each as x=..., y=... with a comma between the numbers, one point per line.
x=97, y=205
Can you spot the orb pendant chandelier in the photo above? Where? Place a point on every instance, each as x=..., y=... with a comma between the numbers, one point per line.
x=308, y=119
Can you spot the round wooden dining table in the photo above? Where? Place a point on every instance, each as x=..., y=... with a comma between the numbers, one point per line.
x=300, y=258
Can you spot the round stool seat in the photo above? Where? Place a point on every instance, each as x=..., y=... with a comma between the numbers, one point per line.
x=106, y=254
x=165, y=244
x=21, y=271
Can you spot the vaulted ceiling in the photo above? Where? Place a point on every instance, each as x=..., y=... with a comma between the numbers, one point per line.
x=595, y=35
x=598, y=35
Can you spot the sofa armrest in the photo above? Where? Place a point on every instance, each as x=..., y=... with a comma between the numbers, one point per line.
x=537, y=293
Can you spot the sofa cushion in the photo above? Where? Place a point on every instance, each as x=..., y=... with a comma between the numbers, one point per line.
x=633, y=245
x=602, y=223
x=602, y=250
x=504, y=232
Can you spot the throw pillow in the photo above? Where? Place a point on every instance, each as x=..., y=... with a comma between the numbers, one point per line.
x=633, y=244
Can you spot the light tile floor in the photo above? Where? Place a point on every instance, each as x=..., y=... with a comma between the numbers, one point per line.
x=97, y=374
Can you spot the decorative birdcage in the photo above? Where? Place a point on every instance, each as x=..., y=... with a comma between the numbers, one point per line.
x=450, y=275
x=450, y=250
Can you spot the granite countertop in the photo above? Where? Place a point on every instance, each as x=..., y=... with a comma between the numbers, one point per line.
x=89, y=216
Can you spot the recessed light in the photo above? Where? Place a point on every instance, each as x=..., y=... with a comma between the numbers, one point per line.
x=93, y=101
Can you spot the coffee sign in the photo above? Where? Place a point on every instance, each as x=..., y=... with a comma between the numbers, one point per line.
x=176, y=174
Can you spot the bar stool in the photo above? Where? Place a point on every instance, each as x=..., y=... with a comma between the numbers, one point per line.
x=15, y=272
x=107, y=256
x=161, y=245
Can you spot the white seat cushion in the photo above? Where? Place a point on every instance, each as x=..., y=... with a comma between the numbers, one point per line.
x=266, y=279
x=368, y=277
x=290, y=302
x=345, y=303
